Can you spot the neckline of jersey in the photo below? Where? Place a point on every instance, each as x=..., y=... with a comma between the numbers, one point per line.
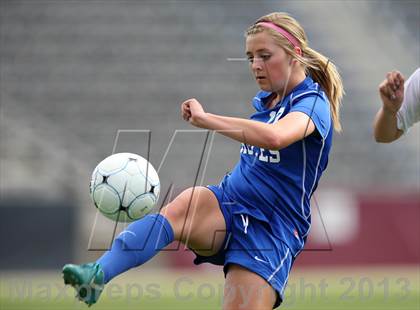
x=259, y=101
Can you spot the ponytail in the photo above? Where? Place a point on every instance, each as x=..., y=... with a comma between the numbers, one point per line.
x=325, y=73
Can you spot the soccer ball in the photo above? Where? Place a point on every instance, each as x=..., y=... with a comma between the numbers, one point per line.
x=124, y=187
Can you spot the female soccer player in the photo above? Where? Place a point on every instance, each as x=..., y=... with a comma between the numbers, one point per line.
x=256, y=221
x=400, y=106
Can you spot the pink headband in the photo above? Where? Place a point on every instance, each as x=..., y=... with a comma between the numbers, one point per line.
x=277, y=28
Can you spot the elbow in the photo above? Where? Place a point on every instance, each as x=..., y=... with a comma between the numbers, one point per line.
x=274, y=142
x=380, y=138
x=383, y=141
x=386, y=141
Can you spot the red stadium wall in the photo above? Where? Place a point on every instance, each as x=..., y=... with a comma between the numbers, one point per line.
x=388, y=232
x=380, y=228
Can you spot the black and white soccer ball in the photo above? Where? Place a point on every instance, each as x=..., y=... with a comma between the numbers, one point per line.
x=124, y=187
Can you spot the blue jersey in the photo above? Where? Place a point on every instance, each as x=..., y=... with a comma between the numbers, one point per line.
x=276, y=185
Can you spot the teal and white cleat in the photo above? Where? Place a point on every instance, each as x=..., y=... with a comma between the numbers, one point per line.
x=87, y=280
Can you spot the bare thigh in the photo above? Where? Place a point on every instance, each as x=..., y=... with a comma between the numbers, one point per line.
x=197, y=220
x=245, y=290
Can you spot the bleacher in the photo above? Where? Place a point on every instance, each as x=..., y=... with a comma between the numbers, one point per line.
x=73, y=73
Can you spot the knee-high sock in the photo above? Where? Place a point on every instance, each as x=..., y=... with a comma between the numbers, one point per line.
x=137, y=244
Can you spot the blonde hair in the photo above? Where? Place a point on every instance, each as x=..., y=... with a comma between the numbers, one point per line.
x=319, y=67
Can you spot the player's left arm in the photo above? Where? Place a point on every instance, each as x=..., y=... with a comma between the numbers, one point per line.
x=400, y=106
x=291, y=128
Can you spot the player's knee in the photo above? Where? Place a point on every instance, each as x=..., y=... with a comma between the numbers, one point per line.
x=176, y=212
x=172, y=215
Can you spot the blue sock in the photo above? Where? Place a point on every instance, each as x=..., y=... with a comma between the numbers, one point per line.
x=138, y=243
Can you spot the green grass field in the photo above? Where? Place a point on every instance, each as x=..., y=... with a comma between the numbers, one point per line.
x=374, y=288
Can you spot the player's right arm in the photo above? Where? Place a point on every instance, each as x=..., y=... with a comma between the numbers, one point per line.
x=391, y=92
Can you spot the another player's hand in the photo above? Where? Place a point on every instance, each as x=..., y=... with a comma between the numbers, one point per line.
x=193, y=112
x=391, y=91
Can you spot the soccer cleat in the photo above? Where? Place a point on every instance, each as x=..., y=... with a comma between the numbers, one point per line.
x=87, y=279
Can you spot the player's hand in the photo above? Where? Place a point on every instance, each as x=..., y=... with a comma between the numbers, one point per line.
x=391, y=91
x=193, y=112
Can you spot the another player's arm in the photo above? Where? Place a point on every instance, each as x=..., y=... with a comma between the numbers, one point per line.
x=391, y=92
x=291, y=128
x=385, y=126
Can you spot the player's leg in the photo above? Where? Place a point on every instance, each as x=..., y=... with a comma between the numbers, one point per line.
x=138, y=243
x=245, y=290
x=197, y=220
x=193, y=217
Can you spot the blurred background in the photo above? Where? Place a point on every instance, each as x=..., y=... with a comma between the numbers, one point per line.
x=82, y=79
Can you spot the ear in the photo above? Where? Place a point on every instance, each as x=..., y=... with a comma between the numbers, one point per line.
x=293, y=60
x=298, y=50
